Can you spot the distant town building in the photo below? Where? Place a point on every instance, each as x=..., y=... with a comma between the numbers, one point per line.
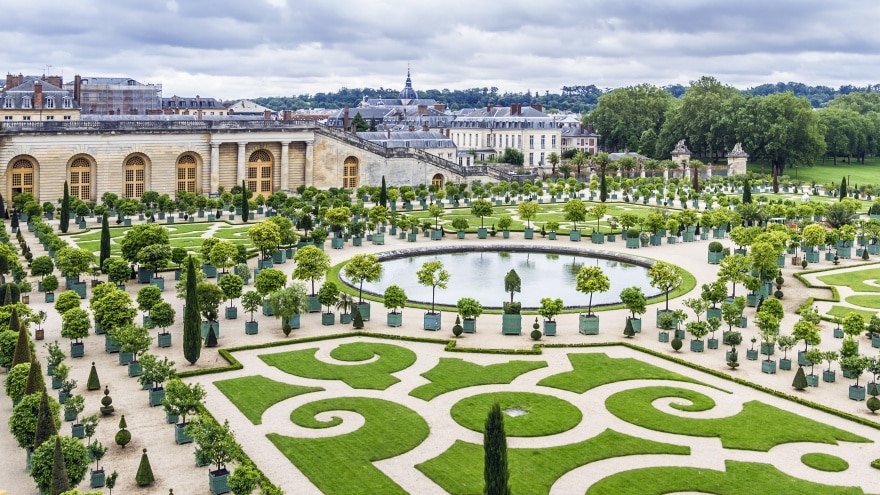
x=249, y=108
x=115, y=96
x=524, y=128
x=36, y=98
x=177, y=105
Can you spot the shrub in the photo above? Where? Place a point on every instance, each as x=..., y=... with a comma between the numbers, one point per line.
x=76, y=461
x=144, y=476
x=123, y=436
x=715, y=247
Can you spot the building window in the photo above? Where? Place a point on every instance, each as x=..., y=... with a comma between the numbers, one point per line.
x=67, y=102
x=437, y=180
x=531, y=158
x=50, y=102
x=532, y=142
x=67, y=117
x=135, y=177
x=553, y=142
x=186, y=174
x=542, y=159
x=350, y=173
x=27, y=102
x=80, y=179
x=259, y=173
x=26, y=117
x=50, y=117
x=22, y=180
x=7, y=117
x=542, y=141
x=7, y=102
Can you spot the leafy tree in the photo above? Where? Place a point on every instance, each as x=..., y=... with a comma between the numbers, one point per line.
x=113, y=309
x=496, y=474
x=624, y=114
x=634, y=300
x=362, y=268
x=287, y=302
x=42, y=266
x=394, y=298
x=73, y=261
x=141, y=236
x=664, y=277
x=550, y=308
x=328, y=294
x=266, y=237
x=513, y=156
x=24, y=420
x=75, y=461
x=183, y=398
x=311, y=264
x=192, y=342
x=16, y=380
x=215, y=443
x=512, y=283
x=527, y=211
x=132, y=338
x=154, y=257
x=223, y=255
x=148, y=296
x=251, y=301
x=118, y=271
x=66, y=301
x=575, y=211
x=433, y=275
x=591, y=279
x=481, y=208
x=75, y=324
x=231, y=285
x=156, y=371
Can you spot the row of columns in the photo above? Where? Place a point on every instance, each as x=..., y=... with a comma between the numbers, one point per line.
x=241, y=165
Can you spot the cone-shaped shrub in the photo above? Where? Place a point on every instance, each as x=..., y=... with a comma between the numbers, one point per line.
x=629, y=332
x=123, y=436
x=94, y=383
x=800, y=379
x=358, y=321
x=45, y=422
x=495, y=470
x=59, y=471
x=211, y=339
x=144, y=476
x=22, y=352
x=35, y=383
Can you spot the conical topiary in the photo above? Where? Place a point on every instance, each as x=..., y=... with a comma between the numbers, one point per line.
x=211, y=339
x=144, y=476
x=106, y=403
x=60, y=484
x=94, y=383
x=629, y=331
x=45, y=422
x=123, y=436
x=22, y=352
x=358, y=321
x=732, y=359
x=35, y=383
x=800, y=379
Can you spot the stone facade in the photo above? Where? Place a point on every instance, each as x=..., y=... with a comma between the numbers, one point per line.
x=737, y=160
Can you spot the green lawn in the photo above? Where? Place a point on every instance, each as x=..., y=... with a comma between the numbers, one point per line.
x=825, y=174
x=372, y=375
x=546, y=415
x=842, y=311
x=459, y=470
x=825, y=462
x=186, y=235
x=454, y=374
x=252, y=395
x=343, y=464
x=740, y=478
x=776, y=426
x=854, y=280
x=865, y=301
x=592, y=370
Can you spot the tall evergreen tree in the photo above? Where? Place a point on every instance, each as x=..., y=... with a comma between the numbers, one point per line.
x=747, y=191
x=105, y=241
x=192, y=342
x=245, y=206
x=383, y=194
x=45, y=422
x=60, y=484
x=35, y=383
x=495, y=471
x=64, y=221
x=696, y=180
x=842, y=188
x=22, y=353
x=603, y=188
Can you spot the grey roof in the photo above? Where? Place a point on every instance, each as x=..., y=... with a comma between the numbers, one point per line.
x=409, y=139
x=576, y=131
x=189, y=102
x=247, y=106
x=111, y=81
x=28, y=86
x=633, y=154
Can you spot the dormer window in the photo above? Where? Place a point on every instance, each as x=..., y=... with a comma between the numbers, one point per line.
x=50, y=102
x=67, y=102
x=27, y=102
x=7, y=102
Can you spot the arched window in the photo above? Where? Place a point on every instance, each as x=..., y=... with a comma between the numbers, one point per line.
x=22, y=179
x=135, y=177
x=186, y=173
x=350, y=173
x=80, y=179
x=437, y=180
x=259, y=173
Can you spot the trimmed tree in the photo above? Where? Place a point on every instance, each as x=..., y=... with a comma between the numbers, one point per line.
x=287, y=302
x=496, y=474
x=192, y=341
x=591, y=279
x=64, y=221
x=433, y=275
x=144, y=476
x=311, y=264
x=664, y=277
x=104, y=250
x=363, y=268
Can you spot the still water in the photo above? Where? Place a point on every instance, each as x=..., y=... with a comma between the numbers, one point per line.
x=481, y=275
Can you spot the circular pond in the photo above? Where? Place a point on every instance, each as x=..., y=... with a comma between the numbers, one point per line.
x=480, y=274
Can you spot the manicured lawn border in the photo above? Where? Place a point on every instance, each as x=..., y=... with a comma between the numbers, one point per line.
x=825, y=462
x=546, y=414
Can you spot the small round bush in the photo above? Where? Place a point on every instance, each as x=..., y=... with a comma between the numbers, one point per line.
x=536, y=335
x=676, y=344
x=715, y=247
x=778, y=294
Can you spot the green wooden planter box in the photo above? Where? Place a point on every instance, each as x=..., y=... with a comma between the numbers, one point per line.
x=164, y=339
x=135, y=369
x=511, y=324
x=97, y=478
x=110, y=345
x=768, y=367
x=328, y=319
x=364, y=308
x=812, y=380
x=752, y=354
x=314, y=304
x=632, y=243
x=294, y=322
x=715, y=258
x=857, y=392
x=231, y=312
x=267, y=308
x=206, y=325
x=77, y=349
x=218, y=481
x=829, y=376
x=251, y=327
x=785, y=364
x=156, y=397
x=549, y=328
x=158, y=282
x=209, y=270
x=394, y=319
x=597, y=238
x=697, y=345
x=588, y=325
x=345, y=318
x=529, y=233
x=469, y=325
x=712, y=344
x=574, y=236
x=180, y=436
x=432, y=321
x=663, y=336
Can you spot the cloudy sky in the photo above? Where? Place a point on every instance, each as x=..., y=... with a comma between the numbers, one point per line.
x=247, y=48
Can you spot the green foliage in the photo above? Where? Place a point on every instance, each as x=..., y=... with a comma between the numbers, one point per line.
x=253, y=395
x=131, y=338
x=512, y=283
x=140, y=236
x=634, y=300
x=800, y=379
x=269, y=280
x=591, y=370
x=664, y=277
x=183, y=398
x=455, y=374
x=394, y=298
x=22, y=351
x=148, y=296
x=209, y=297
x=287, y=302
x=75, y=460
x=162, y=315
x=215, y=443
x=496, y=473
x=155, y=371
x=111, y=307
x=65, y=301
x=469, y=307
x=16, y=380
x=192, y=342
x=144, y=476
x=24, y=420
x=266, y=237
x=591, y=279
x=360, y=268
x=117, y=269
x=94, y=383
x=251, y=301
x=73, y=261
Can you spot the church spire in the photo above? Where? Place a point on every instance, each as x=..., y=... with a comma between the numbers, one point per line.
x=408, y=93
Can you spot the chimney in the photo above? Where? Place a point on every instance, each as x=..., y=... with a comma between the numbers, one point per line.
x=538, y=107
x=345, y=118
x=489, y=107
x=55, y=80
x=440, y=107
x=388, y=133
x=512, y=109
x=9, y=80
x=354, y=129
x=412, y=128
x=267, y=114
x=38, y=94
x=423, y=109
x=580, y=128
x=425, y=127
x=199, y=104
x=287, y=115
x=77, y=89
x=590, y=128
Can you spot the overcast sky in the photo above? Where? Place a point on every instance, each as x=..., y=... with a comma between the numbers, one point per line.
x=247, y=48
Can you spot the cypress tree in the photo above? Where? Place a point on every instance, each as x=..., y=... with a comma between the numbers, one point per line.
x=64, y=221
x=22, y=352
x=13, y=222
x=7, y=300
x=105, y=241
x=14, y=320
x=245, y=207
x=144, y=474
x=495, y=471
x=800, y=379
x=59, y=471
x=603, y=188
x=4, y=268
x=696, y=181
x=94, y=382
x=747, y=191
x=192, y=341
x=842, y=188
x=35, y=383
x=45, y=422
x=383, y=194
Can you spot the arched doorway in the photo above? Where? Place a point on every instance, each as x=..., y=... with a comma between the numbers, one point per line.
x=186, y=173
x=22, y=178
x=350, y=173
x=438, y=180
x=135, y=177
x=259, y=173
x=79, y=178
